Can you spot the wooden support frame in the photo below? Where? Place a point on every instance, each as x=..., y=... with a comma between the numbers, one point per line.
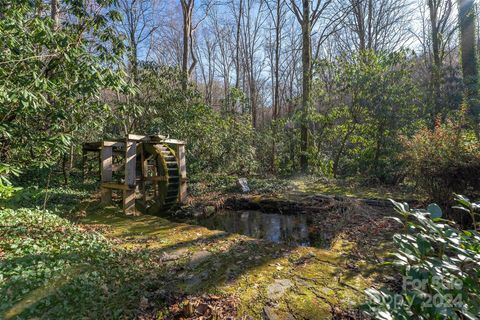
x=106, y=158
x=130, y=176
x=130, y=149
x=182, y=166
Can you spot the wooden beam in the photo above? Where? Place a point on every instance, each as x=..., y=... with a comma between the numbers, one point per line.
x=118, y=167
x=130, y=163
x=155, y=138
x=156, y=178
x=106, y=173
x=129, y=201
x=115, y=144
x=136, y=137
x=174, y=141
x=182, y=167
x=115, y=186
x=143, y=174
x=130, y=176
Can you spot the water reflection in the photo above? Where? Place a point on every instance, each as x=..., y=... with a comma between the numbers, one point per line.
x=291, y=229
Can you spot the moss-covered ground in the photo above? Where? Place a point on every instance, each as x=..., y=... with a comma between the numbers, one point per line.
x=203, y=261
x=158, y=264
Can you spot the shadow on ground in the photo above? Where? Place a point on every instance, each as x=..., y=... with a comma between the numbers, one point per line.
x=303, y=282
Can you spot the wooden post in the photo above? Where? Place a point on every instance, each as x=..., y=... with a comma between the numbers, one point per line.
x=182, y=166
x=99, y=173
x=130, y=176
x=106, y=172
x=144, y=171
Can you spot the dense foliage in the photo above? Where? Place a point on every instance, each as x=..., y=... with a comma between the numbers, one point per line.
x=369, y=103
x=52, y=269
x=216, y=142
x=444, y=160
x=51, y=78
x=439, y=265
x=251, y=98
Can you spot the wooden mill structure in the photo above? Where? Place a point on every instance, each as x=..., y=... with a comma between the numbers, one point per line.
x=149, y=171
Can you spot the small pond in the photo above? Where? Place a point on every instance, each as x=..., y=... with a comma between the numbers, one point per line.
x=278, y=228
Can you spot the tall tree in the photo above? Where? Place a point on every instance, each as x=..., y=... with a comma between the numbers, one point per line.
x=187, y=13
x=376, y=24
x=467, y=17
x=307, y=17
x=237, y=40
x=54, y=13
x=138, y=24
x=252, y=24
x=440, y=32
x=277, y=14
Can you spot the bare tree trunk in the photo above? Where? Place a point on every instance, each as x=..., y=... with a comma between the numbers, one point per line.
x=467, y=17
x=187, y=12
x=237, y=50
x=253, y=97
x=436, y=55
x=359, y=16
x=54, y=14
x=278, y=26
x=134, y=59
x=306, y=84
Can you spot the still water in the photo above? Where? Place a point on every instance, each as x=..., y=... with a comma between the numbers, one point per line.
x=290, y=229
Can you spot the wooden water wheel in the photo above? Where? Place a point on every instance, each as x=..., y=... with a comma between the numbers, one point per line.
x=160, y=178
x=149, y=171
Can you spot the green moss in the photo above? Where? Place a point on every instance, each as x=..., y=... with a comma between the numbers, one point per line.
x=308, y=306
x=352, y=189
x=244, y=267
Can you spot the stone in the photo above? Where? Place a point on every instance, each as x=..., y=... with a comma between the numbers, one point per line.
x=173, y=255
x=243, y=185
x=197, y=214
x=278, y=288
x=199, y=257
x=208, y=211
x=202, y=309
x=270, y=313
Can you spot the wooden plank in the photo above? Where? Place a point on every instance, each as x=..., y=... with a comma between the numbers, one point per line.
x=182, y=167
x=116, y=144
x=130, y=163
x=144, y=173
x=130, y=176
x=106, y=173
x=157, y=178
x=136, y=137
x=99, y=159
x=117, y=167
x=115, y=186
x=174, y=141
x=129, y=201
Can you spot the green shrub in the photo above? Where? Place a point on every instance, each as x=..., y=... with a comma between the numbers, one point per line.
x=52, y=269
x=216, y=143
x=444, y=160
x=6, y=188
x=440, y=266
